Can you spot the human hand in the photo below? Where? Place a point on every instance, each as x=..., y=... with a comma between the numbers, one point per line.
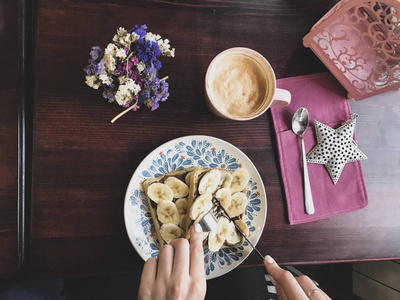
x=289, y=287
x=178, y=272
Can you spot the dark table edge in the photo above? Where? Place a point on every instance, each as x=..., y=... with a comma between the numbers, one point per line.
x=306, y=263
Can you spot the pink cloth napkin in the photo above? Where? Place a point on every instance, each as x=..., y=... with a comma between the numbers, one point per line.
x=326, y=102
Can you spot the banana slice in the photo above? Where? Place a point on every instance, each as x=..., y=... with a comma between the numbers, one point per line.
x=170, y=232
x=210, y=181
x=178, y=187
x=243, y=227
x=215, y=242
x=205, y=235
x=182, y=205
x=200, y=205
x=159, y=192
x=240, y=180
x=217, y=238
x=222, y=179
x=224, y=197
x=167, y=212
x=233, y=236
x=227, y=181
x=201, y=216
x=188, y=177
x=238, y=205
x=183, y=220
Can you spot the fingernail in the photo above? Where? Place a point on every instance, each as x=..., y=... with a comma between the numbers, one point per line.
x=269, y=259
x=197, y=228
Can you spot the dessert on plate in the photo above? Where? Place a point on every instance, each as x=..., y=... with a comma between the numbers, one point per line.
x=180, y=199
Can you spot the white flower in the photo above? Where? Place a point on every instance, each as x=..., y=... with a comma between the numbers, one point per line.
x=110, y=62
x=122, y=79
x=121, y=34
x=92, y=81
x=126, y=90
x=133, y=37
x=165, y=48
x=141, y=66
x=109, y=56
x=111, y=49
x=120, y=53
x=105, y=79
x=152, y=37
x=126, y=40
x=122, y=31
x=121, y=97
x=170, y=53
x=132, y=86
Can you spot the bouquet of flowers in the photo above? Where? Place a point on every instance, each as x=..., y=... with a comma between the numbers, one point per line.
x=128, y=69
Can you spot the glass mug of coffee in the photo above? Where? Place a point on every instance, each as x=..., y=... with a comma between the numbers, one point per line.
x=240, y=85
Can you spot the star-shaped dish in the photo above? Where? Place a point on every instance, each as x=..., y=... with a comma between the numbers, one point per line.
x=335, y=147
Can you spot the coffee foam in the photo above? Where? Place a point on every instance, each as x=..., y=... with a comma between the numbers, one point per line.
x=238, y=85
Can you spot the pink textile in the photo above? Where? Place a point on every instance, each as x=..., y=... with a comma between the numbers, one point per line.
x=326, y=102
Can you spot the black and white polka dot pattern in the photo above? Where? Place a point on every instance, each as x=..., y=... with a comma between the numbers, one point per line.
x=335, y=147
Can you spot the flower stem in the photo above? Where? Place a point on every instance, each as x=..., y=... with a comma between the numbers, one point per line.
x=131, y=107
x=124, y=112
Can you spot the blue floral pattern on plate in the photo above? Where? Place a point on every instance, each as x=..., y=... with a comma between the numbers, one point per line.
x=196, y=152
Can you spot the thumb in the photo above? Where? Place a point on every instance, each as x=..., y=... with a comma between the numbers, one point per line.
x=272, y=267
x=288, y=284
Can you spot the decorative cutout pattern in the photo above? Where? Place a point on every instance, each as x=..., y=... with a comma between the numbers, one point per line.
x=360, y=44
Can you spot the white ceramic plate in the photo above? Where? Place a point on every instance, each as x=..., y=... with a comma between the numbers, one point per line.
x=184, y=152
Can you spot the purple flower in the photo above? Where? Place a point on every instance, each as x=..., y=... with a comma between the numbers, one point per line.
x=140, y=31
x=155, y=85
x=137, y=79
x=164, y=90
x=149, y=72
x=108, y=94
x=100, y=67
x=96, y=53
x=96, y=65
x=95, y=68
x=148, y=53
x=154, y=106
x=157, y=64
x=121, y=69
x=134, y=60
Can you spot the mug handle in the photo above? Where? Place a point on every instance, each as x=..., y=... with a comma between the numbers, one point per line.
x=281, y=98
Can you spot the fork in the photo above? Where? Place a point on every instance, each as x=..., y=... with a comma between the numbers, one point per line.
x=210, y=221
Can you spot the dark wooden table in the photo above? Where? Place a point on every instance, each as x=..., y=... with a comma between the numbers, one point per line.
x=83, y=163
x=9, y=146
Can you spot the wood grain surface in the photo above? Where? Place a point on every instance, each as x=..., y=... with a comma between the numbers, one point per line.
x=9, y=103
x=82, y=163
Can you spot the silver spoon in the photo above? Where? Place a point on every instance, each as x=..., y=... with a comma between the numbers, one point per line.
x=299, y=127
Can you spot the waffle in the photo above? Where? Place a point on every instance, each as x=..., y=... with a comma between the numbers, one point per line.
x=180, y=199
